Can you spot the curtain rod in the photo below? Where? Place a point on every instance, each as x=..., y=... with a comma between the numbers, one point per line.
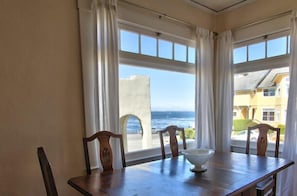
x=263, y=20
x=159, y=14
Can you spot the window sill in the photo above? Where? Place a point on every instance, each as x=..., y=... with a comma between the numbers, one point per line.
x=152, y=154
x=240, y=145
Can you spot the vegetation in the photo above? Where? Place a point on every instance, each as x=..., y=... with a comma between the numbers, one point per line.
x=242, y=124
x=190, y=133
x=282, y=128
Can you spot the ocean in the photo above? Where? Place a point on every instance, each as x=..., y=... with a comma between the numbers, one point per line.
x=162, y=119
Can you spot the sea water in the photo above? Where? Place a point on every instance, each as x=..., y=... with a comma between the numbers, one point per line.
x=162, y=119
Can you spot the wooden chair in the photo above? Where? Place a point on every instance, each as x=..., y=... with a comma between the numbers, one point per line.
x=47, y=174
x=268, y=186
x=172, y=130
x=106, y=155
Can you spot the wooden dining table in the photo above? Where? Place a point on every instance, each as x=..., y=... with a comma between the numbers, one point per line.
x=226, y=174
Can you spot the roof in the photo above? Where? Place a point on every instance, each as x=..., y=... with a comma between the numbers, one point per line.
x=259, y=79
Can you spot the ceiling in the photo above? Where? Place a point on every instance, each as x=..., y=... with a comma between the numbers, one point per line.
x=219, y=6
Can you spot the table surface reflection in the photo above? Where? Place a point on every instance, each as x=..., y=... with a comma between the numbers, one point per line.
x=227, y=174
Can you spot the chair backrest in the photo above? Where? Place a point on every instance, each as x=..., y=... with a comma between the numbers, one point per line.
x=106, y=155
x=262, y=141
x=172, y=130
x=47, y=174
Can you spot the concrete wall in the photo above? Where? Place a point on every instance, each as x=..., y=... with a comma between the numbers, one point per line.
x=135, y=100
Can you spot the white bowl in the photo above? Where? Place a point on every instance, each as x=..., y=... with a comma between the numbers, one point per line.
x=198, y=157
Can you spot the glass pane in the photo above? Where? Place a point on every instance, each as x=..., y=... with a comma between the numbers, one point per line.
x=129, y=41
x=251, y=106
x=180, y=52
x=152, y=99
x=289, y=44
x=148, y=45
x=269, y=92
x=239, y=55
x=165, y=49
x=276, y=47
x=191, y=55
x=256, y=51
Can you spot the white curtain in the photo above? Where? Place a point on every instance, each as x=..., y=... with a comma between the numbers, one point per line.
x=287, y=179
x=224, y=91
x=204, y=103
x=99, y=48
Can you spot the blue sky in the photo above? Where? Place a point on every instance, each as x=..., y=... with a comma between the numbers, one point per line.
x=169, y=90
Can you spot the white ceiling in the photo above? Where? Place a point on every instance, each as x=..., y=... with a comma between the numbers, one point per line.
x=219, y=6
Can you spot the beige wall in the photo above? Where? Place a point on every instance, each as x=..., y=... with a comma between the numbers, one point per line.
x=252, y=12
x=41, y=94
x=180, y=9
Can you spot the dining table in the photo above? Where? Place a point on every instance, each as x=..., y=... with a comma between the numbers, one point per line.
x=228, y=173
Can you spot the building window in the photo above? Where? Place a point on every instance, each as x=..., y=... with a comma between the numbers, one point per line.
x=269, y=92
x=268, y=115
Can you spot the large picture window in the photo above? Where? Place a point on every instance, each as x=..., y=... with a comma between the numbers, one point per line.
x=152, y=99
x=256, y=87
x=155, y=95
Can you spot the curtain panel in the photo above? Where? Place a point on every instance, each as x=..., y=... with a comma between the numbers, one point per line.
x=223, y=91
x=204, y=100
x=99, y=51
x=287, y=179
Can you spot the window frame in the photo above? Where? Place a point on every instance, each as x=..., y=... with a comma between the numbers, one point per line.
x=258, y=65
x=269, y=117
x=157, y=62
x=146, y=61
x=269, y=92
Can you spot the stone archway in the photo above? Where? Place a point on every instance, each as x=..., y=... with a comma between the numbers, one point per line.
x=135, y=100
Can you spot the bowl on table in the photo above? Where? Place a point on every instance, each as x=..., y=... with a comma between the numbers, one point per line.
x=198, y=157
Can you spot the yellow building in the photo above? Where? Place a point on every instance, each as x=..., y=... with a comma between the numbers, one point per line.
x=262, y=96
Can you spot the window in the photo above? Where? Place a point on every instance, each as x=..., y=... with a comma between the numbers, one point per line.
x=150, y=100
x=129, y=37
x=148, y=45
x=256, y=51
x=240, y=55
x=268, y=115
x=180, y=52
x=277, y=47
x=269, y=92
x=155, y=95
x=260, y=84
x=191, y=55
x=154, y=46
x=165, y=49
x=253, y=50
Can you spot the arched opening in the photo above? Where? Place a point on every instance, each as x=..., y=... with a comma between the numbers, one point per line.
x=132, y=130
